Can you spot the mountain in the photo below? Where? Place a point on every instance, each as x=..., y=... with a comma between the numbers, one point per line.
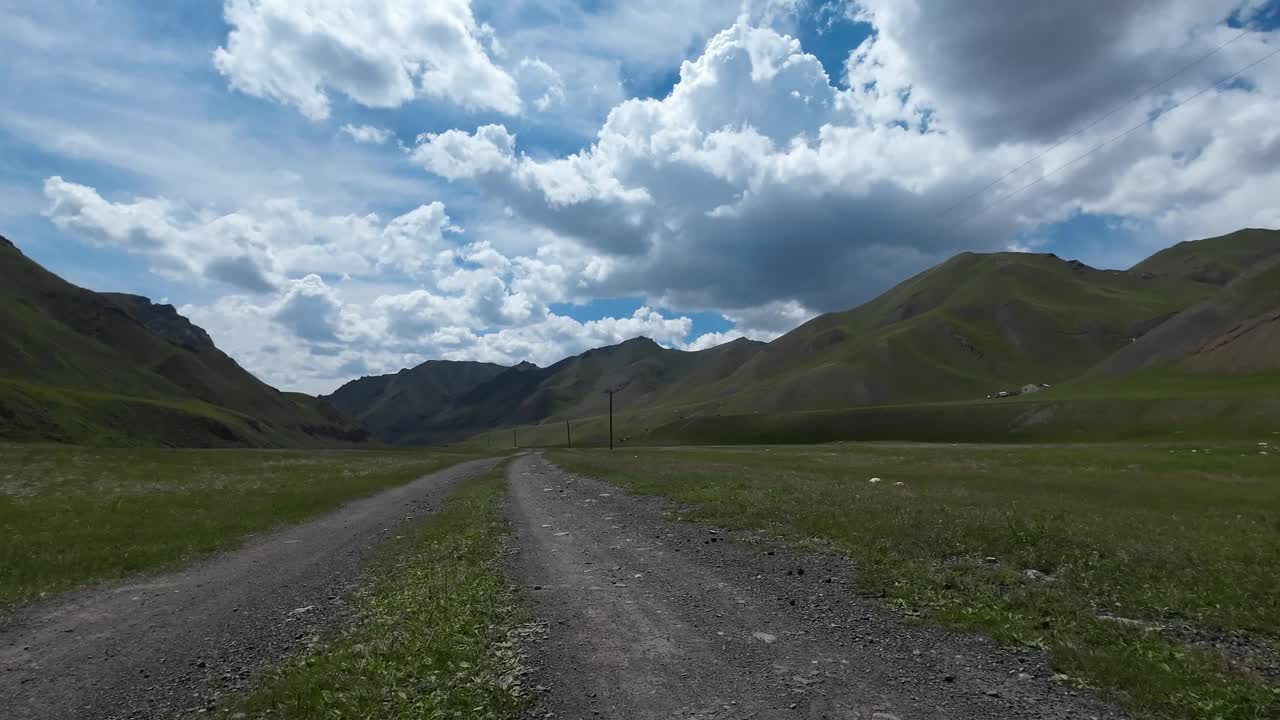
x=435, y=402
x=1249, y=345
x=1236, y=330
x=1216, y=261
x=976, y=324
x=398, y=406
x=972, y=326
x=81, y=366
x=164, y=321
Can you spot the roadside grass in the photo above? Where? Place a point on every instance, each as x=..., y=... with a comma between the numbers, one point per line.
x=1177, y=545
x=433, y=629
x=71, y=516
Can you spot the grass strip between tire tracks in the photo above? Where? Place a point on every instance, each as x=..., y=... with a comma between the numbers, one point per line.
x=433, y=632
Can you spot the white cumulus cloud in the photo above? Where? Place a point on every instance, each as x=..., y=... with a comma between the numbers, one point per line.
x=367, y=134
x=760, y=181
x=381, y=55
x=540, y=84
x=252, y=249
x=455, y=154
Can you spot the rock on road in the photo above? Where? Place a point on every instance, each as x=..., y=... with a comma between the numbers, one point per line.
x=153, y=648
x=653, y=618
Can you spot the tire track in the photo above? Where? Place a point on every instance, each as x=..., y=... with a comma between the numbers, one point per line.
x=654, y=618
x=173, y=644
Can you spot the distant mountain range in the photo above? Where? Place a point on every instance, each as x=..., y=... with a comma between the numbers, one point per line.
x=80, y=366
x=86, y=367
x=972, y=326
x=441, y=400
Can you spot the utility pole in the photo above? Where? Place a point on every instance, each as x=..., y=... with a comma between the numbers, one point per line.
x=611, y=390
x=568, y=438
x=513, y=438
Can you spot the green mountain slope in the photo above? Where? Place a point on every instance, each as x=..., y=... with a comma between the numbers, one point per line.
x=1216, y=261
x=969, y=327
x=80, y=366
x=1235, y=331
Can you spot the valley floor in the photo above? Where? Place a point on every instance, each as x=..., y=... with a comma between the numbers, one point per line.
x=872, y=581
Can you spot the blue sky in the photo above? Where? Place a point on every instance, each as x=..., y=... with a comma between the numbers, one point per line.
x=332, y=193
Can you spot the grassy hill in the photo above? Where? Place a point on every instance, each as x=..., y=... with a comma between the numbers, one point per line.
x=1216, y=261
x=1237, y=330
x=80, y=366
x=972, y=326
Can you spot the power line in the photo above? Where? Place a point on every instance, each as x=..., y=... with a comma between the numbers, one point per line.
x=1095, y=123
x=1123, y=135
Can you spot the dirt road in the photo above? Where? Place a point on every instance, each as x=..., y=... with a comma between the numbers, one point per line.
x=170, y=644
x=654, y=618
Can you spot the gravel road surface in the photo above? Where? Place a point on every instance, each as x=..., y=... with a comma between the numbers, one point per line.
x=171, y=644
x=649, y=617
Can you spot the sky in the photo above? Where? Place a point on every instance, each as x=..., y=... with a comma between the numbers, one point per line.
x=338, y=188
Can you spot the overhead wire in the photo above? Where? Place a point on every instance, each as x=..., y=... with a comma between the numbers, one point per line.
x=987, y=208
x=1136, y=97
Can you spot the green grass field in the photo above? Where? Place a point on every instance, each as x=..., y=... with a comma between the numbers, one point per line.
x=1156, y=553
x=433, y=635
x=70, y=516
x=1148, y=406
